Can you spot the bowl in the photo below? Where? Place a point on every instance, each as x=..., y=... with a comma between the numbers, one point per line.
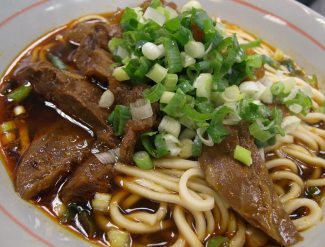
x=286, y=24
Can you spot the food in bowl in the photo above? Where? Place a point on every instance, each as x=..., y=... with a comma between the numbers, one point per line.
x=153, y=127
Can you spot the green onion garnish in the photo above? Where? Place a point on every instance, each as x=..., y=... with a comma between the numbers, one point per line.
x=122, y=115
x=20, y=93
x=143, y=160
x=57, y=62
x=243, y=155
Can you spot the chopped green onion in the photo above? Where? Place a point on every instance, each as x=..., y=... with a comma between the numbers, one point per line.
x=120, y=53
x=20, y=93
x=173, y=56
x=137, y=69
x=178, y=100
x=107, y=99
x=257, y=130
x=191, y=4
x=195, y=115
x=175, y=29
x=154, y=93
x=120, y=74
x=8, y=126
x=198, y=17
x=186, y=148
x=172, y=12
x=19, y=110
x=200, y=132
x=154, y=15
x=217, y=241
x=277, y=88
x=160, y=150
x=195, y=49
x=204, y=106
x=185, y=86
x=141, y=109
x=151, y=51
x=270, y=61
x=157, y=73
x=143, y=160
x=253, y=62
x=155, y=3
x=170, y=82
x=187, y=60
x=252, y=44
x=101, y=202
x=203, y=85
x=169, y=125
x=243, y=155
x=115, y=42
x=278, y=54
x=203, y=65
x=173, y=145
x=122, y=115
x=118, y=238
x=129, y=20
x=197, y=147
x=192, y=72
x=166, y=97
x=57, y=62
x=71, y=212
x=231, y=94
x=290, y=123
x=187, y=121
x=110, y=118
x=164, y=12
x=248, y=87
x=216, y=130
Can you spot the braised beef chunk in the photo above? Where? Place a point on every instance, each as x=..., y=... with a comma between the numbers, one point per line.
x=92, y=57
x=125, y=93
x=72, y=94
x=248, y=190
x=90, y=177
x=103, y=31
x=50, y=157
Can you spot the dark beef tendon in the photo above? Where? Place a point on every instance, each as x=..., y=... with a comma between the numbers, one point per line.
x=72, y=94
x=248, y=190
x=90, y=177
x=50, y=158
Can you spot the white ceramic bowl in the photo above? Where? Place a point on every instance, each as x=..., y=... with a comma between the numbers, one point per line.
x=296, y=29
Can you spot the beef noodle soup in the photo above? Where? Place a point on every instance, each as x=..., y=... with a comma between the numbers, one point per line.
x=151, y=127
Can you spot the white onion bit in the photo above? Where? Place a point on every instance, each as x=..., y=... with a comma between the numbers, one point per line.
x=141, y=109
x=109, y=157
x=107, y=99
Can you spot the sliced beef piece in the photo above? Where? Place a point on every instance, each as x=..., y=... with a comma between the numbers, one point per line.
x=248, y=190
x=50, y=158
x=103, y=31
x=90, y=177
x=92, y=58
x=72, y=94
